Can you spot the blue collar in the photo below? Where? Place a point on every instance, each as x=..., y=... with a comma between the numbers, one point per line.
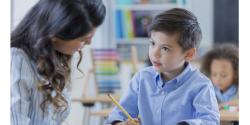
x=227, y=95
x=175, y=82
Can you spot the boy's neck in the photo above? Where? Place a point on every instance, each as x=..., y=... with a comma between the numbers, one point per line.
x=166, y=76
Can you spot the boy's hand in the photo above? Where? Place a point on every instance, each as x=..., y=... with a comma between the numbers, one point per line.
x=130, y=122
x=135, y=121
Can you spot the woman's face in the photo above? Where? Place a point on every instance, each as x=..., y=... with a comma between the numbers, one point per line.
x=222, y=73
x=69, y=47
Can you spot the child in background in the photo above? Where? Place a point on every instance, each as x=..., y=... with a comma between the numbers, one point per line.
x=221, y=65
x=172, y=91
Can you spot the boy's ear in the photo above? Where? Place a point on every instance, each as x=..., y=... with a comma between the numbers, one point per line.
x=190, y=54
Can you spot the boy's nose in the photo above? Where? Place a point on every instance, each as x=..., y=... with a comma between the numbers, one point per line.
x=156, y=53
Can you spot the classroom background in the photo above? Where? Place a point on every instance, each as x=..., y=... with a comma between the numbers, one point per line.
x=120, y=47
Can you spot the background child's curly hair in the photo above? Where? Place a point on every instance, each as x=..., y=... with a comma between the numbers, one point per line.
x=224, y=51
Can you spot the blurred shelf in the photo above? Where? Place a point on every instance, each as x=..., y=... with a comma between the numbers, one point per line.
x=134, y=41
x=148, y=6
x=141, y=11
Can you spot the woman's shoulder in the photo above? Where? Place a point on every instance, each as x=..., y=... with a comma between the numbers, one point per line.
x=19, y=55
x=18, y=52
x=20, y=61
x=22, y=72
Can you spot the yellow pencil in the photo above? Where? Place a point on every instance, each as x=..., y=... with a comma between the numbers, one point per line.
x=120, y=107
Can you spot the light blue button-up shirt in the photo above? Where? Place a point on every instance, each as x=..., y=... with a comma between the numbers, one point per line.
x=188, y=97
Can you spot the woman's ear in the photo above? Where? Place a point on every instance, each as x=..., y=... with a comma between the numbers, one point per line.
x=189, y=54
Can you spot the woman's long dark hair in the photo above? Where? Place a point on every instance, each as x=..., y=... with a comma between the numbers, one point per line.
x=64, y=19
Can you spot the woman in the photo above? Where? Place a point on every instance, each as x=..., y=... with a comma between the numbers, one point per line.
x=42, y=46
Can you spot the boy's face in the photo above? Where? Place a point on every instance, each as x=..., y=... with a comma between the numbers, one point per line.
x=166, y=54
x=222, y=73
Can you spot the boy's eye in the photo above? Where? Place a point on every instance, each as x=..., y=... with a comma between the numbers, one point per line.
x=165, y=48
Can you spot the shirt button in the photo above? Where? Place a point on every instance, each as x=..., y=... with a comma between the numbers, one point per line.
x=158, y=111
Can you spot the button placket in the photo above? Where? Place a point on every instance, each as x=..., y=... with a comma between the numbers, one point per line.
x=159, y=108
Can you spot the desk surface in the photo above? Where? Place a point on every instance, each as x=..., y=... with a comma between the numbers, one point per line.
x=224, y=114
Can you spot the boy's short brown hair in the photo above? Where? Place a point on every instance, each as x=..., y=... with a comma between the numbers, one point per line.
x=179, y=21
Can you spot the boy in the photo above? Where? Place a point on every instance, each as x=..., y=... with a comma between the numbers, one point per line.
x=171, y=92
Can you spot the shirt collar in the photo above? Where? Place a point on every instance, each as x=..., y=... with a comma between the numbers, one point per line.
x=227, y=95
x=178, y=79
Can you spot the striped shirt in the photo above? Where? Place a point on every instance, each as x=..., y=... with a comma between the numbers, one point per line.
x=26, y=98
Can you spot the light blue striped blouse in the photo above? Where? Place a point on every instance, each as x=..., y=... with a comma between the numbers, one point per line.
x=25, y=97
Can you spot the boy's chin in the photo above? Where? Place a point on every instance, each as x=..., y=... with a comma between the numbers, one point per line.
x=157, y=69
